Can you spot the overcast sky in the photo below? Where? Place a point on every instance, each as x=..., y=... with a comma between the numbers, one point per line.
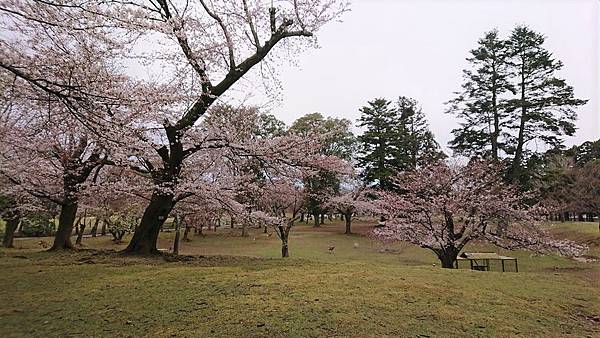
x=417, y=48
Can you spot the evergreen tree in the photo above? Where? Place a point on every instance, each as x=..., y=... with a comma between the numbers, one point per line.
x=416, y=144
x=480, y=104
x=511, y=96
x=543, y=109
x=378, y=143
x=397, y=138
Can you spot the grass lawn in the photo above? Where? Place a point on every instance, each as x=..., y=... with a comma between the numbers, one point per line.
x=239, y=287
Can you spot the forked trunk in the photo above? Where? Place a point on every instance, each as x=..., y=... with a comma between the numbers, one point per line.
x=284, y=233
x=146, y=235
x=80, y=234
x=66, y=219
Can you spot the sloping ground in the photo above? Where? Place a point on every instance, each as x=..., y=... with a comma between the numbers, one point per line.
x=362, y=289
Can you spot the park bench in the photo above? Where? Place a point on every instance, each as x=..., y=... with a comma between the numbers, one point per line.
x=480, y=261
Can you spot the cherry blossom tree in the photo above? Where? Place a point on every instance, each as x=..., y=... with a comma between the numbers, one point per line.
x=354, y=197
x=284, y=199
x=443, y=208
x=46, y=151
x=202, y=47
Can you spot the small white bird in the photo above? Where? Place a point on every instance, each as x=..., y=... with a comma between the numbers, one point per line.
x=355, y=245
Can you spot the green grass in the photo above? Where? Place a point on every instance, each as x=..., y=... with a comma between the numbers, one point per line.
x=241, y=288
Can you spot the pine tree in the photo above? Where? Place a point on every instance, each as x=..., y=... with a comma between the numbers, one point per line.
x=543, y=109
x=379, y=142
x=396, y=139
x=416, y=144
x=480, y=104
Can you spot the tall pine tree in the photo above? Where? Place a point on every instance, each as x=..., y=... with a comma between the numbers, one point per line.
x=512, y=96
x=379, y=142
x=543, y=109
x=480, y=104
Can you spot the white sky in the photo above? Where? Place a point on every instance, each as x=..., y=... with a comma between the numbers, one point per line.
x=388, y=48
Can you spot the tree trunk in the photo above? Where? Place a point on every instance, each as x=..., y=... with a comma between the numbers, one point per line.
x=322, y=219
x=348, y=218
x=80, y=234
x=103, y=229
x=447, y=257
x=95, y=227
x=516, y=165
x=62, y=239
x=186, y=233
x=496, y=131
x=12, y=223
x=316, y=218
x=176, y=243
x=244, y=230
x=146, y=235
x=301, y=217
x=285, y=252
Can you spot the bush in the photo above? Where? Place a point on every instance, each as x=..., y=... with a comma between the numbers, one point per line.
x=37, y=225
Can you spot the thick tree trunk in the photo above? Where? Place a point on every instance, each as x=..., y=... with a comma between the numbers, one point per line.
x=12, y=223
x=146, y=235
x=316, y=219
x=301, y=217
x=244, y=230
x=448, y=262
x=62, y=239
x=447, y=257
x=348, y=218
x=322, y=219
